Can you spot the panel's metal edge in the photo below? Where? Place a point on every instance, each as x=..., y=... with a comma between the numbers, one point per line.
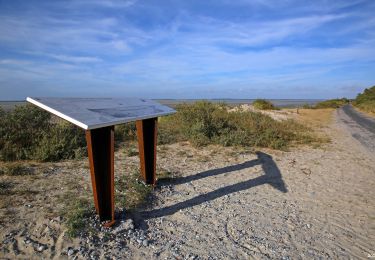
x=90, y=127
x=57, y=113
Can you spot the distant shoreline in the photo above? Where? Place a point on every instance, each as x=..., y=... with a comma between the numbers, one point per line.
x=277, y=102
x=285, y=103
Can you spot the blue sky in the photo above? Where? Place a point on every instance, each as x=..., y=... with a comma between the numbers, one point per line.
x=186, y=49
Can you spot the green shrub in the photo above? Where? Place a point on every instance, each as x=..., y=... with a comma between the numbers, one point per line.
x=368, y=106
x=77, y=216
x=205, y=123
x=62, y=141
x=332, y=103
x=21, y=130
x=15, y=169
x=307, y=106
x=202, y=122
x=28, y=132
x=132, y=193
x=367, y=95
x=125, y=132
x=169, y=130
x=366, y=100
x=263, y=104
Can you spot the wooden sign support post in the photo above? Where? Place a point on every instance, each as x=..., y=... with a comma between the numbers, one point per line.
x=147, y=139
x=100, y=146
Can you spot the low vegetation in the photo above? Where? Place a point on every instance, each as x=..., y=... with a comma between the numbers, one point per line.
x=307, y=106
x=5, y=187
x=15, y=169
x=263, y=104
x=27, y=132
x=332, y=103
x=206, y=123
x=77, y=214
x=366, y=100
x=30, y=133
x=125, y=132
x=130, y=191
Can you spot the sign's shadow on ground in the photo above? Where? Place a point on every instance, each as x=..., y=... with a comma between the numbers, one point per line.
x=272, y=177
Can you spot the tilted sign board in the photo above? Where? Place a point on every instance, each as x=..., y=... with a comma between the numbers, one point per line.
x=98, y=116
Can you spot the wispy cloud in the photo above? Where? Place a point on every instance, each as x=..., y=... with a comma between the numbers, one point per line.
x=75, y=59
x=106, y=3
x=254, y=33
x=14, y=62
x=184, y=49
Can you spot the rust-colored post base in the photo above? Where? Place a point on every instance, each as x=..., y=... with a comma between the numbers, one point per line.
x=100, y=146
x=147, y=137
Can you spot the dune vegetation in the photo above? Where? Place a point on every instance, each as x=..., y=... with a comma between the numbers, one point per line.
x=332, y=103
x=206, y=123
x=29, y=133
x=263, y=104
x=366, y=101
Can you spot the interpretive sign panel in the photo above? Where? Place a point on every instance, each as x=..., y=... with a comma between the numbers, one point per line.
x=91, y=113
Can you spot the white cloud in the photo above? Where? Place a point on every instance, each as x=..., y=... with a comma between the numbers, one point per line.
x=14, y=62
x=121, y=46
x=75, y=59
x=190, y=52
x=105, y=3
x=251, y=33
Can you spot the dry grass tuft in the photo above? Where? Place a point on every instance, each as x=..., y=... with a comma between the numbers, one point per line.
x=19, y=168
x=315, y=117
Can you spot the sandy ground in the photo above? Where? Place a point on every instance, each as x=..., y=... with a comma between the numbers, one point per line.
x=223, y=203
x=279, y=115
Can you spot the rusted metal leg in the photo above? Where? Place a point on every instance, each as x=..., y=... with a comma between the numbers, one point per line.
x=100, y=146
x=147, y=134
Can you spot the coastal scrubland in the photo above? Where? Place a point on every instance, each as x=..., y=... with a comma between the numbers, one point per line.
x=332, y=103
x=220, y=177
x=365, y=101
x=264, y=104
x=246, y=201
x=206, y=123
x=28, y=133
x=31, y=137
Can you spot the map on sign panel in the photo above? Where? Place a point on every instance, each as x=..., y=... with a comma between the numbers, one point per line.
x=91, y=113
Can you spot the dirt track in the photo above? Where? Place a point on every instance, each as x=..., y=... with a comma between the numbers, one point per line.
x=361, y=126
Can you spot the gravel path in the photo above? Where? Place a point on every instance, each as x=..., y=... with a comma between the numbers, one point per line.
x=361, y=126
